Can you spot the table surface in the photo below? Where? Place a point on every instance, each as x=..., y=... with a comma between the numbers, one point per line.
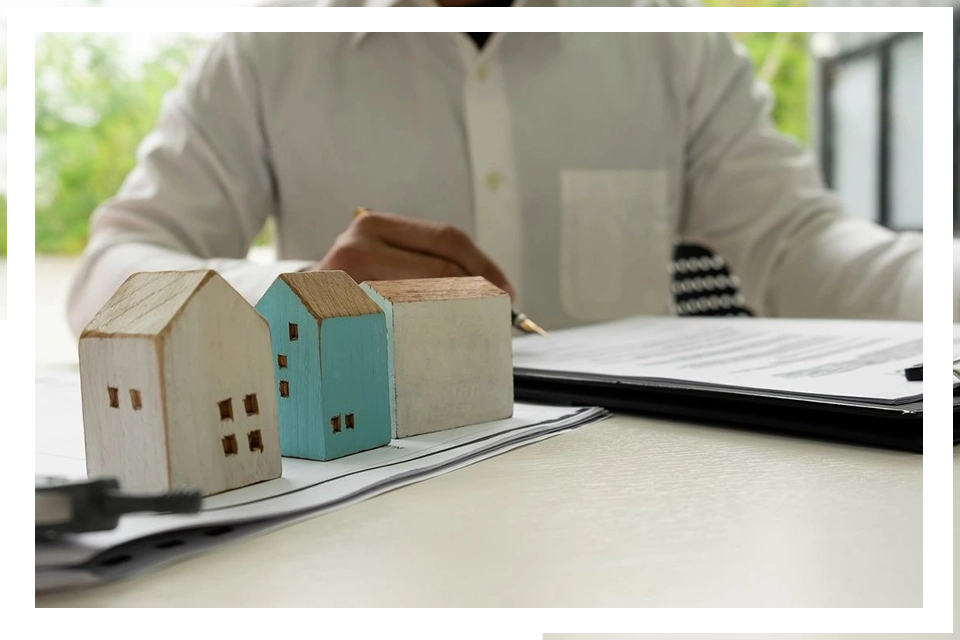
x=627, y=512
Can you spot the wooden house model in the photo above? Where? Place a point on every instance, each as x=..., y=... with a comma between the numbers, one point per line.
x=330, y=364
x=451, y=355
x=177, y=386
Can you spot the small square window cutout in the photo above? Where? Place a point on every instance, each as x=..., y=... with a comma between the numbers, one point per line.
x=230, y=445
x=226, y=409
x=284, y=389
x=250, y=404
x=294, y=332
x=255, y=441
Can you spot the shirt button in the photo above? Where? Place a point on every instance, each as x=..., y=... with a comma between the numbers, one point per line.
x=493, y=180
x=482, y=72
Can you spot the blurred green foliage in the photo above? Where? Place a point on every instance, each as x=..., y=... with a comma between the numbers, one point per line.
x=95, y=103
x=3, y=225
x=93, y=106
x=781, y=61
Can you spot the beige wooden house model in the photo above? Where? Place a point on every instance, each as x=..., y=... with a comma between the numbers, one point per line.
x=451, y=359
x=178, y=387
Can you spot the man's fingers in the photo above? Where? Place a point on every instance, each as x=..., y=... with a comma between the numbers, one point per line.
x=400, y=264
x=373, y=260
x=433, y=238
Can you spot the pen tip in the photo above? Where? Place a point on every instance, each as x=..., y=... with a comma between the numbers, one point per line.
x=532, y=327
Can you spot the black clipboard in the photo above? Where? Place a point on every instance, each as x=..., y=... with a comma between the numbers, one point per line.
x=880, y=425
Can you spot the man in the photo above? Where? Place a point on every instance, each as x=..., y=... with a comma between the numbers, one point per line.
x=562, y=167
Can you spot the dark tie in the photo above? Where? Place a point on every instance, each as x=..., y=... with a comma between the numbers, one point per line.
x=703, y=286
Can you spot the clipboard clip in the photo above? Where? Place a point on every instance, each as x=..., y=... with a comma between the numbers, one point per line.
x=915, y=373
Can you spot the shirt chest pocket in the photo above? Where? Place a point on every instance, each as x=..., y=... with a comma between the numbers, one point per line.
x=616, y=243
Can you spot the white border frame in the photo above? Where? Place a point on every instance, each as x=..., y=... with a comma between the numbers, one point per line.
x=936, y=24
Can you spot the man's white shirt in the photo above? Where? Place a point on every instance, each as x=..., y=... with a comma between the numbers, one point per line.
x=575, y=160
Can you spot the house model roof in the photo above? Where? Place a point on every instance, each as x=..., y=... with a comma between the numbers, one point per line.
x=330, y=294
x=146, y=303
x=435, y=289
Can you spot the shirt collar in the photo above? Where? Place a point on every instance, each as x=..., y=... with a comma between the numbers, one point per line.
x=361, y=36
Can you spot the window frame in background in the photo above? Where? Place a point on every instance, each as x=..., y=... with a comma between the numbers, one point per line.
x=830, y=66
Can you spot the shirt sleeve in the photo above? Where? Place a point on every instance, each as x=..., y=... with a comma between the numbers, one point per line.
x=757, y=199
x=200, y=193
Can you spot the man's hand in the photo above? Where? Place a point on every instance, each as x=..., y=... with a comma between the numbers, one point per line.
x=386, y=246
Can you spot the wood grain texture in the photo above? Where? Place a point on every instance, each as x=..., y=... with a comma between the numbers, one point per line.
x=354, y=382
x=451, y=360
x=387, y=308
x=122, y=442
x=329, y=294
x=211, y=349
x=631, y=512
x=219, y=348
x=300, y=434
x=435, y=289
x=146, y=303
x=336, y=366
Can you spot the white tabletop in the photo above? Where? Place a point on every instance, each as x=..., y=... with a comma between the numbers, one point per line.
x=629, y=512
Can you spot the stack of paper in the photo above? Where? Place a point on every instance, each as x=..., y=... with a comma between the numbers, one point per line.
x=837, y=359
x=307, y=488
x=834, y=378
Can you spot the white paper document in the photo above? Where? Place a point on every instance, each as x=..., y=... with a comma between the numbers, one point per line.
x=833, y=359
x=305, y=489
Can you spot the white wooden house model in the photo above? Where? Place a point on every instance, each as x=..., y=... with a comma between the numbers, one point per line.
x=177, y=386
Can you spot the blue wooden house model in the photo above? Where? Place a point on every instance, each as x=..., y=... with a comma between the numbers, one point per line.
x=330, y=359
